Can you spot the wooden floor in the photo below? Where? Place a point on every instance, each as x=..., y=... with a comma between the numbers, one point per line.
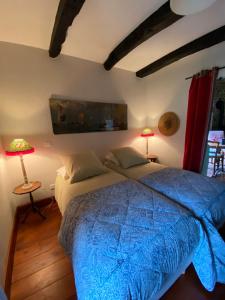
x=41, y=271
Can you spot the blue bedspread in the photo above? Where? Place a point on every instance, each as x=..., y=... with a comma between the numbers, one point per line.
x=125, y=240
x=205, y=197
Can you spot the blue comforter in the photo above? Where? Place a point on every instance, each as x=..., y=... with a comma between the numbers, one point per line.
x=205, y=198
x=125, y=240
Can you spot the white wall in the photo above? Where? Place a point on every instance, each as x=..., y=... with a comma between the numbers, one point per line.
x=6, y=217
x=29, y=78
x=167, y=90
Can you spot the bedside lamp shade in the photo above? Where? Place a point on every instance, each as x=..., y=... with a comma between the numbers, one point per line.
x=19, y=147
x=146, y=133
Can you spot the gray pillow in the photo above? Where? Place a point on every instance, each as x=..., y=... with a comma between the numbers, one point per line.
x=81, y=166
x=110, y=157
x=129, y=157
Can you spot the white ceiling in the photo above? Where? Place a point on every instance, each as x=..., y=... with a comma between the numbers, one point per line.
x=101, y=25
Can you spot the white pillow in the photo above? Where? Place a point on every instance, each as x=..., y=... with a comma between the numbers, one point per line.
x=62, y=172
x=84, y=165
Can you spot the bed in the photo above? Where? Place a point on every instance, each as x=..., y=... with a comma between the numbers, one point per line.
x=124, y=240
x=138, y=171
x=204, y=197
x=64, y=191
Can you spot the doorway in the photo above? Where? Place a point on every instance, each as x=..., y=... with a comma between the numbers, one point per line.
x=214, y=162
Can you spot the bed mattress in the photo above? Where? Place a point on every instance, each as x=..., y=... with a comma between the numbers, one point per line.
x=64, y=191
x=136, y=172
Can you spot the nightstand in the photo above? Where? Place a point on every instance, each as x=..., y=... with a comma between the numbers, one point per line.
x=153, y=158
x=19, y=190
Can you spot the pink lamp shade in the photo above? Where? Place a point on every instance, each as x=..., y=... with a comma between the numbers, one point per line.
x=147, y=132
x=19, y=147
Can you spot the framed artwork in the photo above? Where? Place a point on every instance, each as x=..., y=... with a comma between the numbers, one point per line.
x=71, y=116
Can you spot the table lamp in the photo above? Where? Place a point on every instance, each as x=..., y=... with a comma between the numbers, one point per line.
x=146, y=133
x=20, y=147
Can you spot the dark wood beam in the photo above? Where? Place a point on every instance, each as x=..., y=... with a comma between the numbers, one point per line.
x=210, y=39
x=155, y=23
x=67, y=11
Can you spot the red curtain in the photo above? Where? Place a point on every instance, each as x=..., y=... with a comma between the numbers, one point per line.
x=198, y=116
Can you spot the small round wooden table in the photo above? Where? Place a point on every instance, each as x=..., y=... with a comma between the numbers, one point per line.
x=19, y=190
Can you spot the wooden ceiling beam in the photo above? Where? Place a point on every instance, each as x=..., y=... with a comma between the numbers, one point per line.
x=159, y=20
x=67, y=11
x=208, y=40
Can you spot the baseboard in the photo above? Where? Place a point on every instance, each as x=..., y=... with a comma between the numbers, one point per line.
x=12, y=245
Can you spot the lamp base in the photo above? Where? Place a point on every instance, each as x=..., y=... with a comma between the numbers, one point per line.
x=27, y=186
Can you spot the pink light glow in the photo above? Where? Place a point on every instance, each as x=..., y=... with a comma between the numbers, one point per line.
x=147, y=134
x=16, y=153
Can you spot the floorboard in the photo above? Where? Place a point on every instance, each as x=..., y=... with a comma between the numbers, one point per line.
x=62, y=289
x=42, y=271
x=34, y=282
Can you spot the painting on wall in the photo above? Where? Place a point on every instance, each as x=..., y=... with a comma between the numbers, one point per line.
x=71, y=116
